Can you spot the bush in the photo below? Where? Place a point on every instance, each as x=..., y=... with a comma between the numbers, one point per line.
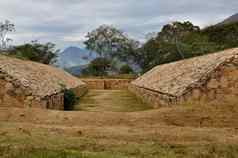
x=126, y=69
x=35, y=51
x=70, y=99
x=97, y=67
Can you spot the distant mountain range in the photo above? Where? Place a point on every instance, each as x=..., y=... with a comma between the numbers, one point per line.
x=75, y=56
x=231, y=19
x=74, y=59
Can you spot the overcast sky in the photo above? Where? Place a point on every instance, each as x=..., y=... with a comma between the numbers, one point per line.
x=65, y=22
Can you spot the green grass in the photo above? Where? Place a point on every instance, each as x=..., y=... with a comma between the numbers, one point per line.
x=44, y=144
x=155, y=151
x=111, y=100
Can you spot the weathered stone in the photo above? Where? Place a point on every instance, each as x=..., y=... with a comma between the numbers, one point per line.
x=213, y=84
x=107, y=83
x=2, y=76
x=196, y=94
x=9, y=87
x=205, y=78
x=27, y=84
x=30, y=98
x=211, y=95
x=224, y=82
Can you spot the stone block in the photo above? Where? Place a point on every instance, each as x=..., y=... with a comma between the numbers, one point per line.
x=213, y=84
x=196, y=94
x=211, y=95
x=224, y=82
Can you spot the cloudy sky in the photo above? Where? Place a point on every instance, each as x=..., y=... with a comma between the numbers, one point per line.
x=65, y=22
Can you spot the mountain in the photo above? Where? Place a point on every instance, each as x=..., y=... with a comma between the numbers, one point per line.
x=231, y=19
x=75, y=56
x=75, y=70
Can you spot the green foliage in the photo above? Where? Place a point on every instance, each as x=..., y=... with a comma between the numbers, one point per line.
x=43, y=53
x=70, y=99
x=223, y=35
x=126, y=69
x=112, y=44
x=178, y=41
x=98, y=67
x=140, y=151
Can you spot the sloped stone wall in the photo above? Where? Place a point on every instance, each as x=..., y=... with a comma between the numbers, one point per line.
x=81, y=90
x=155, y=99
x=107, y=83
x=12, y=94
x=222, y=85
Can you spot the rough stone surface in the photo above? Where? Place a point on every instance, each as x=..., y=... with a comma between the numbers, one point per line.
x=107, y=83
x=30, y=84
x=206, y=78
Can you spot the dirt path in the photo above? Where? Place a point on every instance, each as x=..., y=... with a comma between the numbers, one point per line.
x=111, y=100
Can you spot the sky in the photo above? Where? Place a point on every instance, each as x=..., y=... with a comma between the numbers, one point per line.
x=66, y=22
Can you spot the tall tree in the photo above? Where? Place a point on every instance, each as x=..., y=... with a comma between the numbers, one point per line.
x=5, y=28
x=110, y=42
x=176, y=41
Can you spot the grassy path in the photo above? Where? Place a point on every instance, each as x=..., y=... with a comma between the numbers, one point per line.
x=111, y=100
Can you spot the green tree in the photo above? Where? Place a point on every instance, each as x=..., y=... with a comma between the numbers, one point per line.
x=35, y=51
x=176, y=41
x=109, y=42
x=225, y=36
x=126, y=69
x=97, y=67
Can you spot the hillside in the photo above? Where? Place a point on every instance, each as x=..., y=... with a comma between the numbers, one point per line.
x=75, y=56
x=231, y=19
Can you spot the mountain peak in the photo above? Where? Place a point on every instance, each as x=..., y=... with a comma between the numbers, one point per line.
x=75, y=56
x=231, y=19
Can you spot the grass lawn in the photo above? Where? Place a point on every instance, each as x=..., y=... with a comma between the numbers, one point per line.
x=111, y=100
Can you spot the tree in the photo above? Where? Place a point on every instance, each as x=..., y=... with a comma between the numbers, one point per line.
x=176, y=41
x=126, y=69
x=110, y=42
x=173, y=33
x=223, y=35
x=97, y=67
x=5, y=28
x=35, y=51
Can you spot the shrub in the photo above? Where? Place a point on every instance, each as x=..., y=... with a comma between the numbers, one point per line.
x=70, y=99
x=126, y=69
x=97, y=67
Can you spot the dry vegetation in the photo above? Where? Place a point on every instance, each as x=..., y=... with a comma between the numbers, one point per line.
x=200, y=131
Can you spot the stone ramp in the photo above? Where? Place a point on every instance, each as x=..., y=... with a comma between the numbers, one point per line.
x=111, y=100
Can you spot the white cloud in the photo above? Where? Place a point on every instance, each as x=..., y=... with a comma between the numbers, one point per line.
x=67, y=21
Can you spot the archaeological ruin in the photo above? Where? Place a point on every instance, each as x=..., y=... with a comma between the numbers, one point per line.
x=30, y=84
x=205, y=78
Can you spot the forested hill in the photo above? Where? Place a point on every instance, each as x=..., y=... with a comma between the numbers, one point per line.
x=231, y=19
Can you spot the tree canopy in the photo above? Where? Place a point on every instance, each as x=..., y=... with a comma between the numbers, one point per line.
x=5, y=28
x=180, y=40
x=110, y=42
x=97, y=67
x=35, y=51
